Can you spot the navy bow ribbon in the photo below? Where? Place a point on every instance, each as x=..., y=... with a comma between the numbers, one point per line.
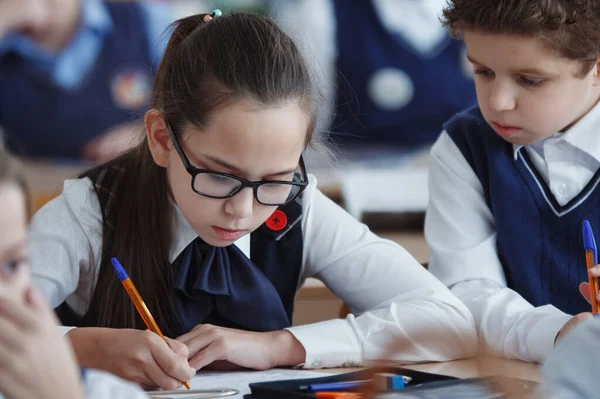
x=221, y=286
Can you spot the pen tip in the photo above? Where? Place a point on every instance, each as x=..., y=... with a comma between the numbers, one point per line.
x=121, y=273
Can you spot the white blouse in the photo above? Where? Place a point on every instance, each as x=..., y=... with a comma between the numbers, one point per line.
x=394, y=300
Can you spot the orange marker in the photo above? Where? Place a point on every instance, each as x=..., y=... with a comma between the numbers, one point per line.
x=591, y=260
x=139, y=303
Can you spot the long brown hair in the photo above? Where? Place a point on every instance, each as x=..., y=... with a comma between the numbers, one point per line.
x=207, y=65
x=567, y=27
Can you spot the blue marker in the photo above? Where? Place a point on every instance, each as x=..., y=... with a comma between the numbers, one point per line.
x=381, y=381
x=333, y=386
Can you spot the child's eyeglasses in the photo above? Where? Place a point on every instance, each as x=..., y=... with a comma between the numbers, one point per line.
x=213, y=184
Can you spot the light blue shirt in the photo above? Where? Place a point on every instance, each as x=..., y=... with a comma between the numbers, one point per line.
x=68, y=68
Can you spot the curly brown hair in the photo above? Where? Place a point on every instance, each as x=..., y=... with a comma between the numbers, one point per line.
x=570, y=28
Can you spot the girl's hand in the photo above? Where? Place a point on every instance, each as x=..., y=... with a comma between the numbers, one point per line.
x=208, y=344
x=135, y=355
x=36, y=361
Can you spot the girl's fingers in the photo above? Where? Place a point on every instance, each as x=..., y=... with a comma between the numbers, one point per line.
x=201, y=341
x=179, y=348
x=199, y=329
x=213, y=352
x=171, y=365
x=159, y=377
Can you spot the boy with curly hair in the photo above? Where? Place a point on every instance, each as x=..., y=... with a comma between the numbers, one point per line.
x=512, y=179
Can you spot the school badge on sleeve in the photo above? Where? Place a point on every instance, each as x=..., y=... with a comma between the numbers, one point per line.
x=131, y=88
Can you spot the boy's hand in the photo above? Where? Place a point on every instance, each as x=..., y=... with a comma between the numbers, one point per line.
x=584, y=288
x=135, y=355
x=573, y=321
x=36, y=361
x=226, y=347
x=23, y=15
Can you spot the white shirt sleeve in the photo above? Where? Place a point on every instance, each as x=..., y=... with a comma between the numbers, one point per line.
x=460, y=231
x=102, y=385
x=400, y=311
x=66, y=246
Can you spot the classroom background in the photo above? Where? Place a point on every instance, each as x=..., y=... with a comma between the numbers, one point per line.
x=377, y=122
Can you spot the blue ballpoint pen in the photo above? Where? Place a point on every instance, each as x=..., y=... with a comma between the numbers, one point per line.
x=591, y=260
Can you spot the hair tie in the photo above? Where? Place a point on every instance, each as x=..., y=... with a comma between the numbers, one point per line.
x=216, y=13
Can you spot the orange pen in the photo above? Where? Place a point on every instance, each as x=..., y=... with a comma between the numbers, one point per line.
x=139, y=303
x=338, y=395
x=591, y=260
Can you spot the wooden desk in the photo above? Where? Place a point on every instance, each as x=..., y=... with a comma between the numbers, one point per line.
x=469, y=368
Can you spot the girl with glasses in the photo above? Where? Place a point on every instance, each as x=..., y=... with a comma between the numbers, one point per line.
x=218, y=225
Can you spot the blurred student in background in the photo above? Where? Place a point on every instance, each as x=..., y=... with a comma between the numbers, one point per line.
x=76, y=75
x=389, y=71
x=35, y=360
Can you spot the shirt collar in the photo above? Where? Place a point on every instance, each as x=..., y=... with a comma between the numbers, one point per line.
x=94, y=17
x=184, y=234
x=417, y=22
x=582, y=135
x=585, y=133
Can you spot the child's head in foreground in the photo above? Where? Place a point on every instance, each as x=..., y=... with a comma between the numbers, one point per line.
x=14, y=279
x=535, y=62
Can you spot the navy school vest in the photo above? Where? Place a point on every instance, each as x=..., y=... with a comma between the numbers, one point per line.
x=371, y=60
x=539, y=242
x=276, y=256
x=42, y=119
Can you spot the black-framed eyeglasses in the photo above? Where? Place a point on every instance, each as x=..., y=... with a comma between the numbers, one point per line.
x=212, y=184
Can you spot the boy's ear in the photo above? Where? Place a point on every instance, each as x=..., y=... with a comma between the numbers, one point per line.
x=597, y=71
x=159, y=139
